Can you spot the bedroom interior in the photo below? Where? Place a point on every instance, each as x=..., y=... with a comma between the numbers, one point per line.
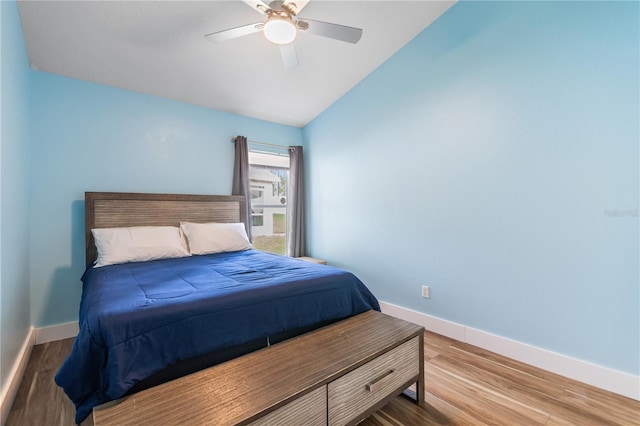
x=490, y=154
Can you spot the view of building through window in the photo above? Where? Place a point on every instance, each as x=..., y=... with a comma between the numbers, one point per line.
x=268, y=177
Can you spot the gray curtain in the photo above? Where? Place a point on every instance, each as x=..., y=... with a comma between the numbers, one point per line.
x=295, y=203
x=241, y=176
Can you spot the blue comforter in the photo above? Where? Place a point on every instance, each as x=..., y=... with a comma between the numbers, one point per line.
x=138, y=318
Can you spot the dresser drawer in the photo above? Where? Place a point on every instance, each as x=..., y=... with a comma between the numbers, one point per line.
x=357, y=391
x=309, y=410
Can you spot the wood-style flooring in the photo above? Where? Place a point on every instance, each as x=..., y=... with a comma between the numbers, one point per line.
x=465, y=385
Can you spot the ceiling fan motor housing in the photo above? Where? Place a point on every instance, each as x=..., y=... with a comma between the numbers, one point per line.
x=279, y=6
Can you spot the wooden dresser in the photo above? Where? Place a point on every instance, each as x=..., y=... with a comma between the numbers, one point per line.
x=337, y=375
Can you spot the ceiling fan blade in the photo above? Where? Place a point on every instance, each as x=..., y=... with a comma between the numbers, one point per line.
x=289, y=56
x=257, y=5
x=335, y=31
x=296, y=5
x=234, y=32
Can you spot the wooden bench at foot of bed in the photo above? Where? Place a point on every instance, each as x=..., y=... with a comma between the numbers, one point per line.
x=336, y=375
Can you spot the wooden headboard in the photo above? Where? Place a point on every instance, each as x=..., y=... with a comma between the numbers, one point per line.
x=120, y=209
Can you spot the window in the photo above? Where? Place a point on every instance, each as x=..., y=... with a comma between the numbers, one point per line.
x=257, y=217
x=268, y=177
x=257, y=192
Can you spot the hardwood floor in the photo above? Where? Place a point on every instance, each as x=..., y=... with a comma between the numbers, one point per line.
x=465, y=386
x=39, y=401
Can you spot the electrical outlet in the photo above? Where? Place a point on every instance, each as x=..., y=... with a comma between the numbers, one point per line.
x=426, y=292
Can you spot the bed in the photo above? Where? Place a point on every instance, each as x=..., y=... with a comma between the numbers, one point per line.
x=147, y=322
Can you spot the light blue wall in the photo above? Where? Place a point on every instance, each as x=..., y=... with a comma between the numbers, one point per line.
x=88, y=137
x=495, y=158
x=14, y=181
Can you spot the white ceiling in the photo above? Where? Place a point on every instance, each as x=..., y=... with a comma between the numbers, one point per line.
x=158, y=48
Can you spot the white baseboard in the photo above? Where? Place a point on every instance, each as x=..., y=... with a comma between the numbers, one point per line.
x=615, y=381
x=10, y=389
x=56, y=332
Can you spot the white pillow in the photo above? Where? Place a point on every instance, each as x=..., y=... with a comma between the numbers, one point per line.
x=207, y=238
x=137, y=243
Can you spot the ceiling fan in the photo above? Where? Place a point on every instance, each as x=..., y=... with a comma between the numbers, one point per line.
x=282, y=25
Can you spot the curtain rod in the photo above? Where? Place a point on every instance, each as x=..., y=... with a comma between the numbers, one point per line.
x=272, y=145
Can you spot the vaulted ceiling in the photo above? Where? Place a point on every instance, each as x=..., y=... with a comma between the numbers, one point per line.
x=159, y=48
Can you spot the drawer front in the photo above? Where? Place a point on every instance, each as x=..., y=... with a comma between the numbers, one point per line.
x=308, y=410
x=357, y=391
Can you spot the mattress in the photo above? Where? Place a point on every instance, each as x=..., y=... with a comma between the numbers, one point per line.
x=139, y=318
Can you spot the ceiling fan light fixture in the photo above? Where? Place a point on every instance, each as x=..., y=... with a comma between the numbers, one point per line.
x=279, y=29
